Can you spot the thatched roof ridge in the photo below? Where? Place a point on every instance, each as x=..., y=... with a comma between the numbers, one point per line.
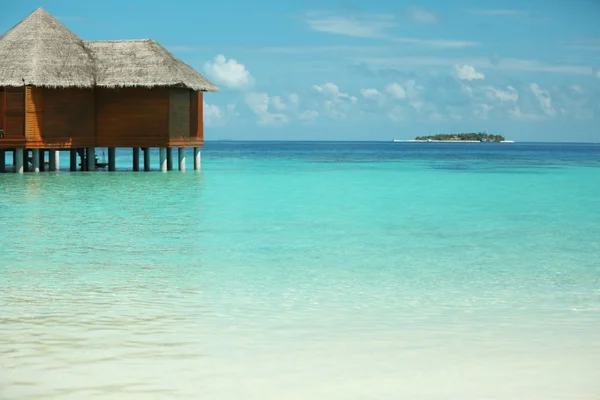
x=41, y=51
x=142, y=63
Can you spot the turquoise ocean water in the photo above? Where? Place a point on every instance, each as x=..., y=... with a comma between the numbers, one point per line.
x=307, y=271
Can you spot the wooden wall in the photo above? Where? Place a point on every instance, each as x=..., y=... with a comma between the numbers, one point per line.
x=132, y=117
x=195, y=135
x=2, y=108
x=199, y=116
x=68, y=118
x=14, y=117
x=179, y=113
x=34, y=113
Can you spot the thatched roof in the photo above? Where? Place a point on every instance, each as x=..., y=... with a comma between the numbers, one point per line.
x=40, y=51
x=142, y=63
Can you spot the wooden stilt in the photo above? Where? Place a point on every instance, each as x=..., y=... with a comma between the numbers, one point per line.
x=197, y=158
x=51, y=160
x=36, y=159
x=91, y=159
x=163, y=159
x=73, y=160
x=112, y=158
x=169, y=159
x=26, y=160
x=82, y=165
x=146, y=159
x=181, y=153
x=136, y=158
x=42, y=160
x=2, y=161
x=18, y=160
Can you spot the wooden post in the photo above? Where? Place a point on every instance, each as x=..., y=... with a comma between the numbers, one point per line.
x=56, y=156
x=112, y=158
x=42, y=160
x=197, y=158
x=81, y=154
x=91, y=159
x=181, y=153
x=146, y=159
x=73, y=160
x=36, y=159
x=136, y=158
x=26, y=160
x=169, y=159
x=2, y=161
x=163, y=159
x=51, y=160
x=19, y=160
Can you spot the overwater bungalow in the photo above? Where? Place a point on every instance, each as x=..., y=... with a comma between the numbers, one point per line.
x=58, y=92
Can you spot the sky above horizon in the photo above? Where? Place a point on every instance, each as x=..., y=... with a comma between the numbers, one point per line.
x=377, y=70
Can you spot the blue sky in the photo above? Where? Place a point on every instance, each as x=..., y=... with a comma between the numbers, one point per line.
x=377, y=70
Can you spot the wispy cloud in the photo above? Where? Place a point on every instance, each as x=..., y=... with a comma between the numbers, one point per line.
x=439, y=43
x=378, y=26
x=357, y=25
x=498, y=12
x=586, y=44
x=422, y=15
x=509, y=64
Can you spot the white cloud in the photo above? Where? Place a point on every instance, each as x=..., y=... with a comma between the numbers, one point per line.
x=332, y=90
x=412, y=88
x=419, y=14
x=259, y=104
x=584, y=44
x=337, y=104
x=294, y=99
x=439, y=43
x=467, y=72
x=509, y=95
x=576, y=88
x=544, y=99
x=359, y=25
x=467, y=89
x=507, y=64
x=396, y=90
x=216, y=116
x=417, y=105
x=229, y=72
x=370, y=93
x=278, y=103
x=211, y=113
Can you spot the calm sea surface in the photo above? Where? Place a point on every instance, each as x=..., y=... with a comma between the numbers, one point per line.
x=307, y=271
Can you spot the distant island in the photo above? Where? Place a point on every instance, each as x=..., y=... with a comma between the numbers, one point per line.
x=462, y=137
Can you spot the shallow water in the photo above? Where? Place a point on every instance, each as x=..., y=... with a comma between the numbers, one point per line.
x=307, y=270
